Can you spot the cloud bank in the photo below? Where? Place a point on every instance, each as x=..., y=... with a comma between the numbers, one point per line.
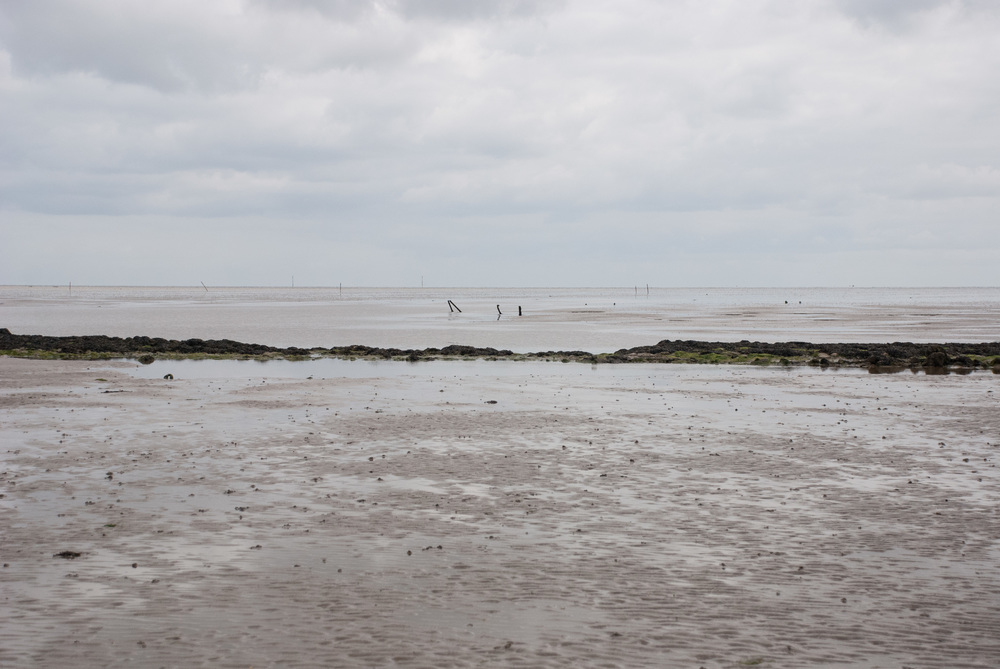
x=500, y=142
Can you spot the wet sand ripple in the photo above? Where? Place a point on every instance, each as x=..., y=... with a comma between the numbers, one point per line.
x=719, y=518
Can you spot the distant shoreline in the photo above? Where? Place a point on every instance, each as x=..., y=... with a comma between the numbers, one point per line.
x=888, y=356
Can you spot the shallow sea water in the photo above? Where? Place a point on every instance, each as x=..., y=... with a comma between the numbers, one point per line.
x=590, y=319
x=330, y=368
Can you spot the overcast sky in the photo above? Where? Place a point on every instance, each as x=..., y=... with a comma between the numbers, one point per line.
x=500, y=142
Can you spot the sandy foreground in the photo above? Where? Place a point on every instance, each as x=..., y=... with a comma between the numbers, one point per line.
x=675, y=516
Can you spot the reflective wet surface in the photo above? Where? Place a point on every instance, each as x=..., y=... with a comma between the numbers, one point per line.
x=386, y=513
x=598, y=320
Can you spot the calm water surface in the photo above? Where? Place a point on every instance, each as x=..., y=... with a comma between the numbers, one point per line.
x=589, y=319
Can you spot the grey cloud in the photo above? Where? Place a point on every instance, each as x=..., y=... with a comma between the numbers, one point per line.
x=341, y=10
x=123, y=42
x=447, y=10
x=756, y=126
x=174, y=48
x=899, y=15
x=891, y=13
x=462, y=10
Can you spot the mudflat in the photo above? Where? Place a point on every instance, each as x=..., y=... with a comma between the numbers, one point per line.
x=542, y=515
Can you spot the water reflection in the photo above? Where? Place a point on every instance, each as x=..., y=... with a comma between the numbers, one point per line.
x=929, y=371
x=320, y=368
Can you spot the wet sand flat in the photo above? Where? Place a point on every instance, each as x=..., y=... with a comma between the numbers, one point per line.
x=542, y=515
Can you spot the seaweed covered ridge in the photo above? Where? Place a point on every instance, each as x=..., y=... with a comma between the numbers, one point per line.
x=896, y=355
